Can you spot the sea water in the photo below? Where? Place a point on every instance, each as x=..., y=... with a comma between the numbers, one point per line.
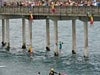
x=18, y=62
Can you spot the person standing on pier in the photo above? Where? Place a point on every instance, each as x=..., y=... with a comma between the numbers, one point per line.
x=52, y=7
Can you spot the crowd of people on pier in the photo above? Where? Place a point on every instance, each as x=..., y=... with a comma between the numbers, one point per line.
x=51, y=2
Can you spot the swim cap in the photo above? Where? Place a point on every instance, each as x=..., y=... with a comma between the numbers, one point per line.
x=52, y=69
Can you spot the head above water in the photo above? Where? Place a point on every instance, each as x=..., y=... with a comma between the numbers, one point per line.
x=38, y=72
x=52, y=69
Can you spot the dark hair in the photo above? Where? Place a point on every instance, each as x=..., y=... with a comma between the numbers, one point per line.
x=59, y=74
x=38, y=72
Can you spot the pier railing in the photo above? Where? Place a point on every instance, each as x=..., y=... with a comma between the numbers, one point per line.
x=46, y=10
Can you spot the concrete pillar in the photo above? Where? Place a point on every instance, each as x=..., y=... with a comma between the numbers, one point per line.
x=56, y=53
x=86, y=39
x=7, y=34
x=3, y=32
x=23, y=33
x=30, y=35
x=47, y=35
x=73, y=37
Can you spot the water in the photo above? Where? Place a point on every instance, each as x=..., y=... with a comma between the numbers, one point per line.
x=17, y=62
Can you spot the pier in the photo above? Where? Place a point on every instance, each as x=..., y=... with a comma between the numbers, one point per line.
x=45, y=12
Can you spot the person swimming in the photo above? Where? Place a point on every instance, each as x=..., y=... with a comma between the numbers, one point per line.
x=30, y=51
x=38, y=73
x=52, y=72
x=60, y=45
